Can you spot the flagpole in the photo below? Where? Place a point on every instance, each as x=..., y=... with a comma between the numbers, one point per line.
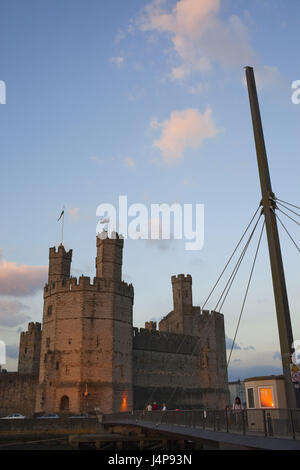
x=62, y=226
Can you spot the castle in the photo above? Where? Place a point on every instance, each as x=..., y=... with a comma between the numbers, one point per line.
x=88, y=355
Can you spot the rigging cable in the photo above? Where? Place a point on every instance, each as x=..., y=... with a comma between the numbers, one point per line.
x=286, y=230
x=288, y=203
x=230, y=281
x=291, y=210
x=246, y=293
x=240, y=241
x=287, y=215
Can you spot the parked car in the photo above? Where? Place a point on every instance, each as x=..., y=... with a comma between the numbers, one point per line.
x=49, y=416
x=14, y=416
x=80, y=415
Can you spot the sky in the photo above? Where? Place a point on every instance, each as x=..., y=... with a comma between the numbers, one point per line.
x=147, y=98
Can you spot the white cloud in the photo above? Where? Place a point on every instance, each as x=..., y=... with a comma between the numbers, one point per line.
x=200, y=38
x=187, y=128
x=118, y=61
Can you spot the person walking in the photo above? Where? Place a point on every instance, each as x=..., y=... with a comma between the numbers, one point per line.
x=149, y=407
x=154, y=406
x=164, y=407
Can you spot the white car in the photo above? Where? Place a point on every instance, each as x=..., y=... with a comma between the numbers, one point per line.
x=14, y=416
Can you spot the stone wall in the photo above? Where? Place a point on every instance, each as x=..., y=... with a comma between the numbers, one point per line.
x=182, y=371
x=17, y=393
x=49, y=426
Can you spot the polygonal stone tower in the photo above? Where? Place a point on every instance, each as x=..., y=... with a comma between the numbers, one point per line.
x=86, y=353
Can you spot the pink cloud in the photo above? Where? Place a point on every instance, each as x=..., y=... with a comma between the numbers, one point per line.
x=201, y=38
x=187, y=128
x=20, y=279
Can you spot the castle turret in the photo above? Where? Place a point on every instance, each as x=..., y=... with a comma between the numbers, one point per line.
x=109, y=257
x=182, y=293
x=180, y=320
x=59, y=264
x=29, y=351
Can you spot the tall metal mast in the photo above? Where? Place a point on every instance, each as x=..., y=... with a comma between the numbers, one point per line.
x=279, y=285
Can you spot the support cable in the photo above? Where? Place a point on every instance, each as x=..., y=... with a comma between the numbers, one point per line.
x=246, y=293
x=286, y=230
x=288, y=203
x=236, y=268
x=232, y=275
x=287, y=215
x=240, y=241
x=296, y=213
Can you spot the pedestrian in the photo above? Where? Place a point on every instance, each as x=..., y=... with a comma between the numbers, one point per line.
x=237, y=409
x=164, y=407
x=154, y=407
x=149, y=407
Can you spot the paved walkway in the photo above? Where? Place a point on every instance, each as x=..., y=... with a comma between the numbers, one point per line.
x=251, y=442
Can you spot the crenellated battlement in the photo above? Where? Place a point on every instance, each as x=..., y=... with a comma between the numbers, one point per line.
x=180, y=277
x=84, y=283
x=164, y=341
x=32, y=326
x=59, y=251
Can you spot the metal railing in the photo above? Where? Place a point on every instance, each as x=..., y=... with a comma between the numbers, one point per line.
x=274, y=422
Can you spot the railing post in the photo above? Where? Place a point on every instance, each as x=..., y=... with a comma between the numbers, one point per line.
x=270, y=427
x=292, y=423
x=243, y=422
x=265, y=422
x=226, y=417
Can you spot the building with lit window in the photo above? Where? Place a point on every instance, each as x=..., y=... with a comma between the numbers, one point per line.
x=265, y=392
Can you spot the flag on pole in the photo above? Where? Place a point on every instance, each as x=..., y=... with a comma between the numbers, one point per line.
x=62, y=213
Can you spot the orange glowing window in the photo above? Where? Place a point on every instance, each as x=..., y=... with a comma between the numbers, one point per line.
x=266, y=397
x=124, y=403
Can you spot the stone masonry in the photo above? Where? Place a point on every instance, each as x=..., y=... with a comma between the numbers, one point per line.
x=88, y=354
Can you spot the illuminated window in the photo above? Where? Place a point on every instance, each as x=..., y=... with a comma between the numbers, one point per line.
x=266, y=397
x=124, y=403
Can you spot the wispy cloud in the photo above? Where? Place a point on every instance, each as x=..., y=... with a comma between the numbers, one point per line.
x=12, y=313
x=187, y=128
x=201, y=38
x=118, y=61
x=229, y=343
x=74, y=213
x=21, y=279
x=129, y=162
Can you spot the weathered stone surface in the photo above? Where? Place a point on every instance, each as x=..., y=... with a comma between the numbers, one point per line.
x=88, y=354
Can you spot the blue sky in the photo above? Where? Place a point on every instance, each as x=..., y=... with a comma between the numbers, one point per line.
x=93, y=90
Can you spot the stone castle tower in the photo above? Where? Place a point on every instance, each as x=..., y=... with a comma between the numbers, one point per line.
x=30, y=349
x=88, y=354
x=185, y=358
x=86, y=350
